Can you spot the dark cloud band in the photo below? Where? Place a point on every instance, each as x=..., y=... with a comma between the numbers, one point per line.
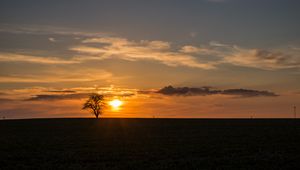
x=203, y=91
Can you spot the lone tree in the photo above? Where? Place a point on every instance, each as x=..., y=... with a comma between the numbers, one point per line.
x=95, y=103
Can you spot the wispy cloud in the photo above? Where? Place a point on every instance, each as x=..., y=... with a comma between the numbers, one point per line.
x=113, y=47
x=100, y=46
x=51, y=39
x=262, y=59
x=254, y=58
x=62, y=91
x=193, y=50
x=59, y=75
x=47, y=29
x=13, y=57
x=187, y=55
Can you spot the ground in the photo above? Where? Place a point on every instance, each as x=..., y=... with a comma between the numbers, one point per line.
x=150, y=144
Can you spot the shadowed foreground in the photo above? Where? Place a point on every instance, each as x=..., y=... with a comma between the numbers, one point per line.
x=150, y=144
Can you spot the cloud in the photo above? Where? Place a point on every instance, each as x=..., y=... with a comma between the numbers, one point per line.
x=203, y=91
x=248, y=93
x=187, y=91
x=295, y=48
x=114, y=47
x=100, y=46
x=157, y=45
x=12, y=57
x=47, y=30
x=262, y=59
x=58, y=75
x=189, y=49
x=42, y=97
x=50, y=93
x=188, y=55
x=71, y=96
x=218, y=44
x=272, y=59
x=51, y=39
x=62, y=91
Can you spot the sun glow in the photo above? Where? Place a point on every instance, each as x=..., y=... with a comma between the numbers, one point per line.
x=115, y=104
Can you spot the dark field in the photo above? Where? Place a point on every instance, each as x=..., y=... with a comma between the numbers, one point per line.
x=150, y=144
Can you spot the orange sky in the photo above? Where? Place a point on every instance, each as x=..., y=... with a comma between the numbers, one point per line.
x=147, y=105
x=224, y=58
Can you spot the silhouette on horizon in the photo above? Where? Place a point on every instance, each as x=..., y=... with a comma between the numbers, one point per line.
x=95, y=103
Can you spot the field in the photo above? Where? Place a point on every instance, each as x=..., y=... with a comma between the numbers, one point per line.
x=150, y=144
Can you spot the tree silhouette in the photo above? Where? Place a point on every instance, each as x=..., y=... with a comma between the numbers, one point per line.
x=95, y=103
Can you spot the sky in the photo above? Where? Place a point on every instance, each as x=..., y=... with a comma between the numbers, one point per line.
x=161, y=58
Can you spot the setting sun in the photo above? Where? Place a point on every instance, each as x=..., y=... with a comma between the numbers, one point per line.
x=116, y=103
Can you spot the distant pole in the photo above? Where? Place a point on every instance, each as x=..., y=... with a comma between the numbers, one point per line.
x=295, y=112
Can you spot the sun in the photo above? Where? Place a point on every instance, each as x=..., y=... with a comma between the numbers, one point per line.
x=115, y=104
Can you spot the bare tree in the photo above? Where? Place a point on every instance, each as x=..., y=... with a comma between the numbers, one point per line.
x=95, y=103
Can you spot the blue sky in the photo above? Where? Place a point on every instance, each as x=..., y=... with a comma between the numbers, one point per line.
x=262, y=23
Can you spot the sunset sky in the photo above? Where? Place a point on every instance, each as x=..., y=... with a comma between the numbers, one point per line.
x=161, y=58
